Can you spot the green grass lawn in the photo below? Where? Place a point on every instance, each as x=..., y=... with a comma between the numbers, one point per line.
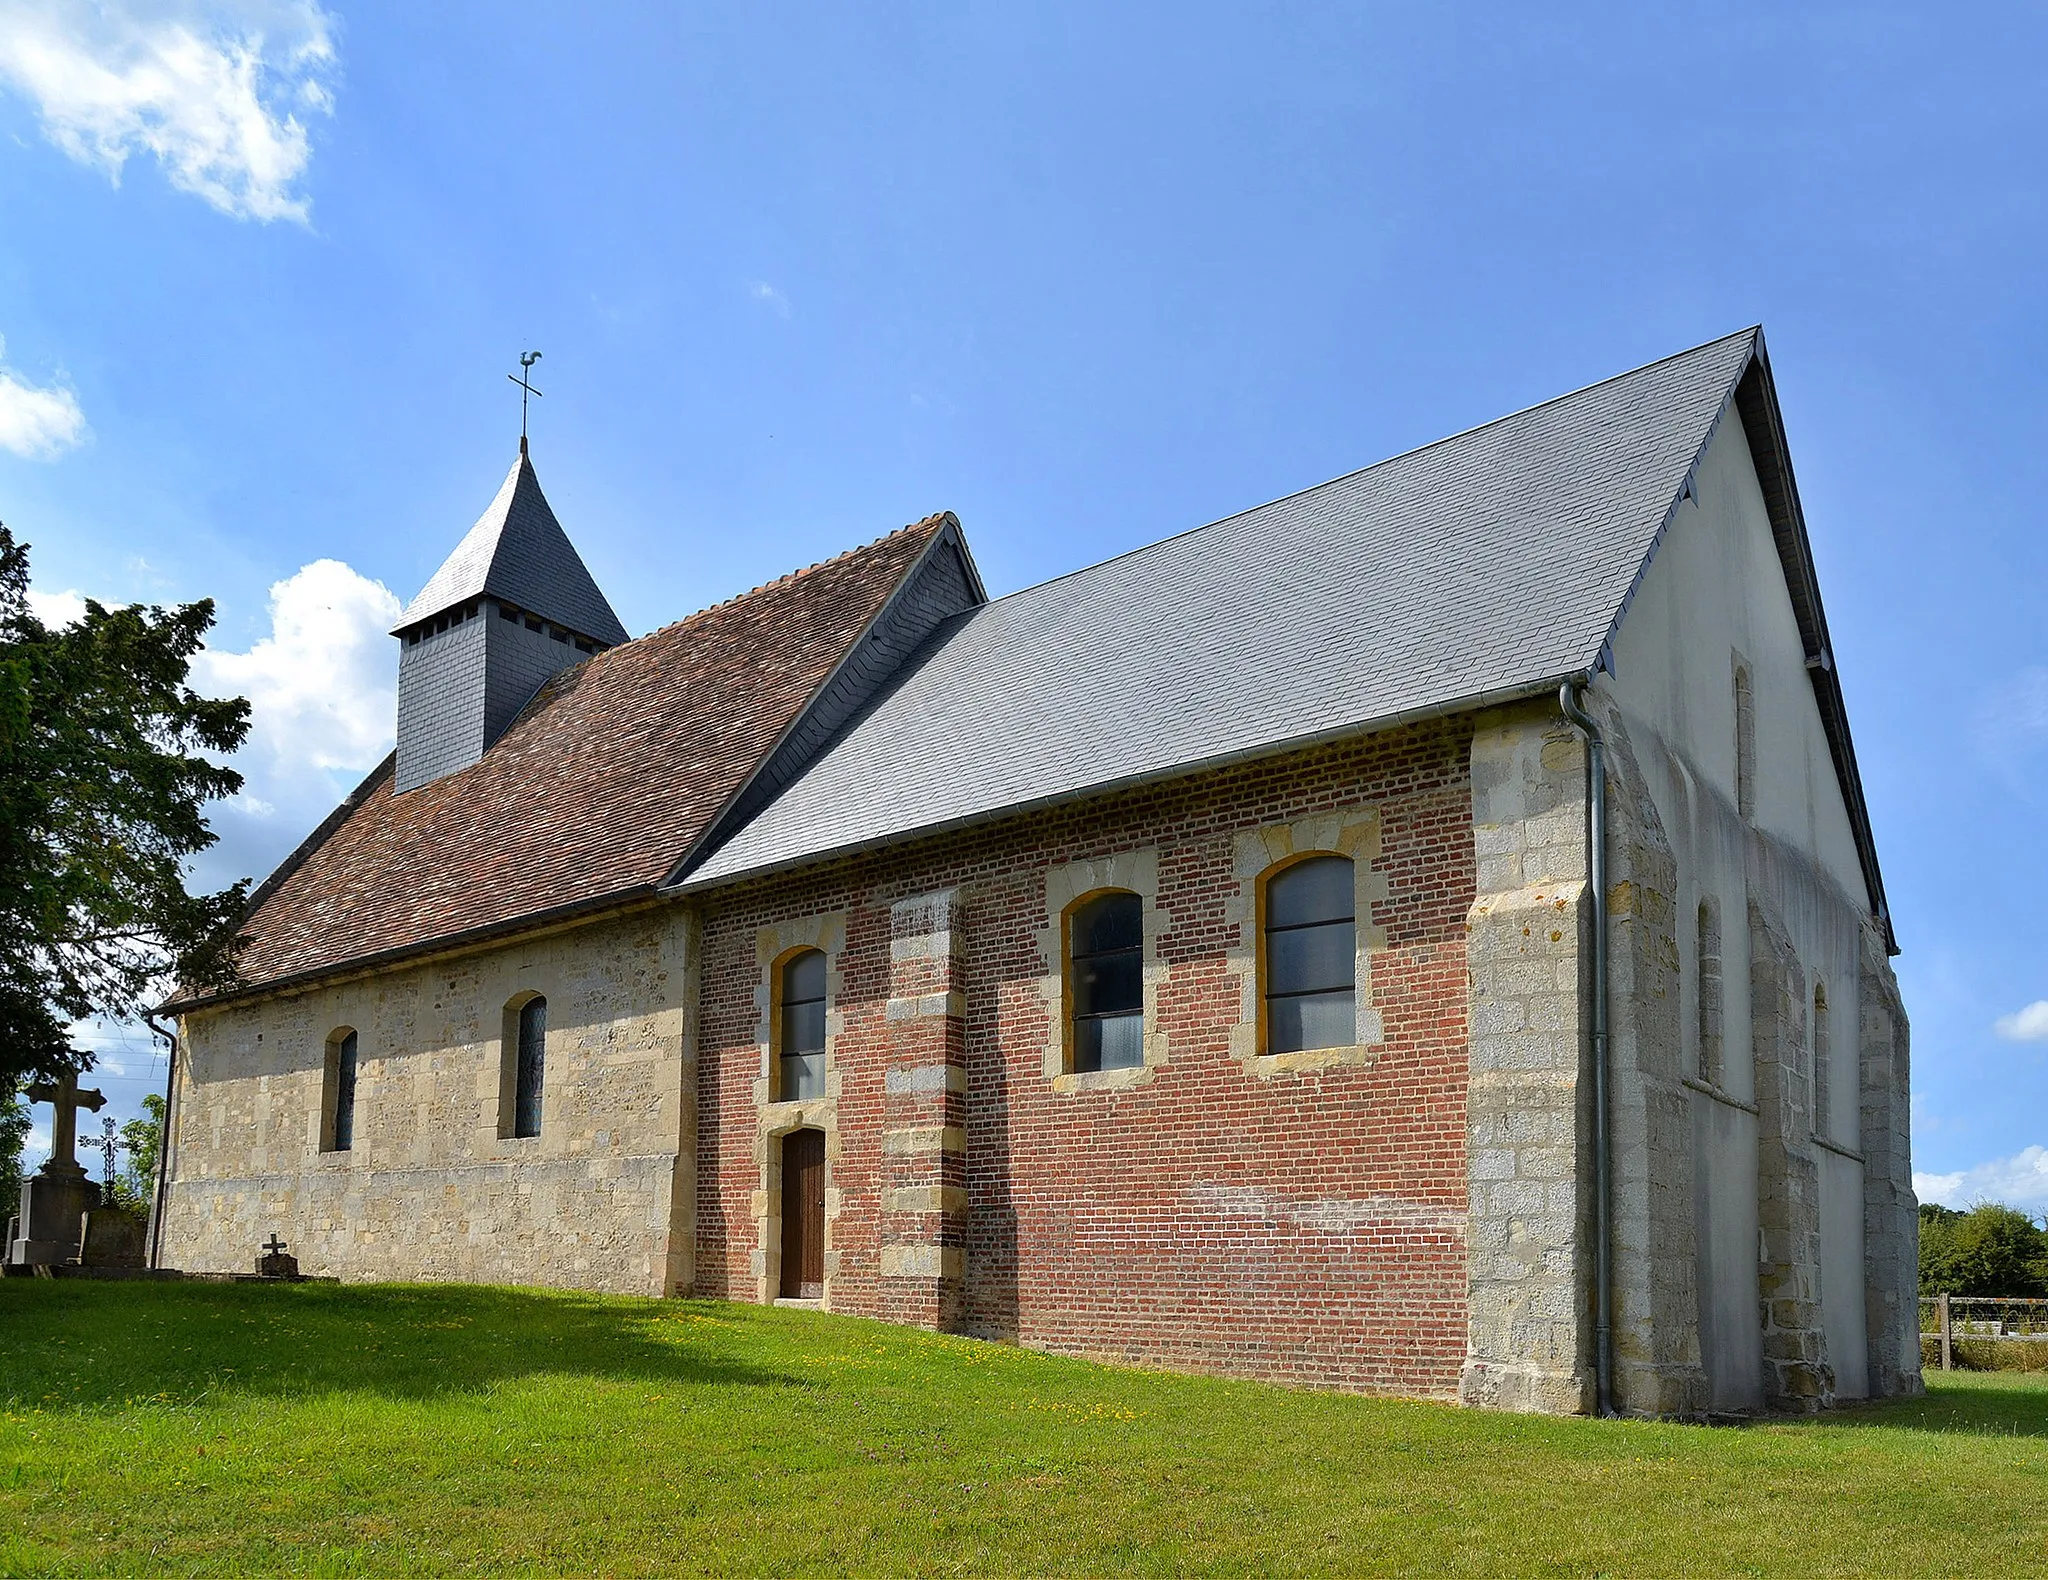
x=224, y=1429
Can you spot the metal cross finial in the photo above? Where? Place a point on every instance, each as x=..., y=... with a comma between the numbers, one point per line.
x=526, y=362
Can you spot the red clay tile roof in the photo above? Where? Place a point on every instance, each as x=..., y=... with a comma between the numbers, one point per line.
x=599, y=787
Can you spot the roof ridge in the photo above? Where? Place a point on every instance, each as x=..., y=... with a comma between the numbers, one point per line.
x=1360, y=471
x=938, y=518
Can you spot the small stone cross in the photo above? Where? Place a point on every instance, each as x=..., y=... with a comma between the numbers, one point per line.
x=65, y=1096
x=274, y=1246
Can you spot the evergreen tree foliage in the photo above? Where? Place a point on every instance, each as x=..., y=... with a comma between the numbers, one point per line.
x=102, y=798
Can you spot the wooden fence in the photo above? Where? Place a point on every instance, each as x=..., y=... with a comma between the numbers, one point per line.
x=1947, y=1318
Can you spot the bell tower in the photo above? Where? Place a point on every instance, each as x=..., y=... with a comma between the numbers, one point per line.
x=510, y=607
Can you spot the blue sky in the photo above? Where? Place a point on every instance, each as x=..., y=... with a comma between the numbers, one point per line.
x=1087, y=276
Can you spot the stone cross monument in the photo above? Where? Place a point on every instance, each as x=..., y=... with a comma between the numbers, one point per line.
x=56, y=1198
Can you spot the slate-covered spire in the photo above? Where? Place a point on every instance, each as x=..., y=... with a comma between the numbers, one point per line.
x=512, y=605
x=518, y=551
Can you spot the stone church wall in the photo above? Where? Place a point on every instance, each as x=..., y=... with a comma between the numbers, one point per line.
x=1296, y=1217
x=1798, y=1092
x=430, y=1188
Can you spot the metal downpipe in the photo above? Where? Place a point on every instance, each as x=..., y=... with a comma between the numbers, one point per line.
x=154, y=1252
x=1596, y=1020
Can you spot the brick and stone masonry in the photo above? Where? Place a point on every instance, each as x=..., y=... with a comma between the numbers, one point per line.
x=1408, y=1214
x=1201, y=1211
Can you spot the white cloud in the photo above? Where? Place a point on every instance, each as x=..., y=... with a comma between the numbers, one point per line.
x=2025, y=1025
x=56, y=609
x=215, y=90
x=320, y=686
x=37, y=422
x=2018, y=1181
x=761, y=291
x=323, y=703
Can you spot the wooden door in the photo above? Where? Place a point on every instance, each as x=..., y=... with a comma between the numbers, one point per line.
x=803, y=1215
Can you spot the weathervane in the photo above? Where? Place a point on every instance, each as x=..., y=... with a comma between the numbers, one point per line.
x=526, y=362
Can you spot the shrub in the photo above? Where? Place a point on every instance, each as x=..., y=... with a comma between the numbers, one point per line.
x=1986, y=1355
x=1989, y=1250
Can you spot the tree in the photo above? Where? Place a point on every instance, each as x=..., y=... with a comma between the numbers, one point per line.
x=141, y=1140
x=1989, y=1250
x=14, y=1122
x=102, y=798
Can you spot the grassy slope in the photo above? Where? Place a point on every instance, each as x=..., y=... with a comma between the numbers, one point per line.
x=345, y=1430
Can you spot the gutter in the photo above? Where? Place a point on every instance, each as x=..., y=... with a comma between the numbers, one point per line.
x=1597, y=1034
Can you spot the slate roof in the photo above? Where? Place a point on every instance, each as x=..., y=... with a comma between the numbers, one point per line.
x=591, y=797
x=1487, y=565
x=518, y=551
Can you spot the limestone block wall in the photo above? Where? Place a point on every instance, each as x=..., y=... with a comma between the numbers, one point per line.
x=1531, y=1325
x=1798, y=1374
x=1891, y=1213
x=1528, y=1116
x=1798, y=1298
x=1656, y=1315
x=1800, y=1124
x=1795, y=1108
x=431, y=1189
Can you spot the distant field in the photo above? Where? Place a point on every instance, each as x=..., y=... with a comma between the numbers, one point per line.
x=228, y=1429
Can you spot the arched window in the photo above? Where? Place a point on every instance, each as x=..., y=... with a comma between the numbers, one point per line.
x=1745, y=744
x=801, y=1054
x=529, y=1070
x=1311, y=956
x=339, y=1094
x=1708, y=948
x=1106, y=981
x=1823, y=1051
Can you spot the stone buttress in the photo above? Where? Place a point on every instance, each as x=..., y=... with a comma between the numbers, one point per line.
x=1530, y=1321
x=1891, y=1213
x=1797, y=1372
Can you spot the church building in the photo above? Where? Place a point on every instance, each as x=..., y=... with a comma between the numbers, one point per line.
x=1422, y=935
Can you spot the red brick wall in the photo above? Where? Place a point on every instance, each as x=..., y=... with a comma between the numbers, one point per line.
x=1304, y=1227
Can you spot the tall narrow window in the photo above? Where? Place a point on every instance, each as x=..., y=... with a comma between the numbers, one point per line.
x=802, y=1053
x=1823, y=1050
x=1709, y=953
x=1311, y=950
x=1745, y=744
x=341, y=1091
x=1106, y=936
x=532, y=1067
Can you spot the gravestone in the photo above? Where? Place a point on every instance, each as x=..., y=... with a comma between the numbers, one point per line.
x=274, y=1263
x=113, y=1237
x=56, y=1198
